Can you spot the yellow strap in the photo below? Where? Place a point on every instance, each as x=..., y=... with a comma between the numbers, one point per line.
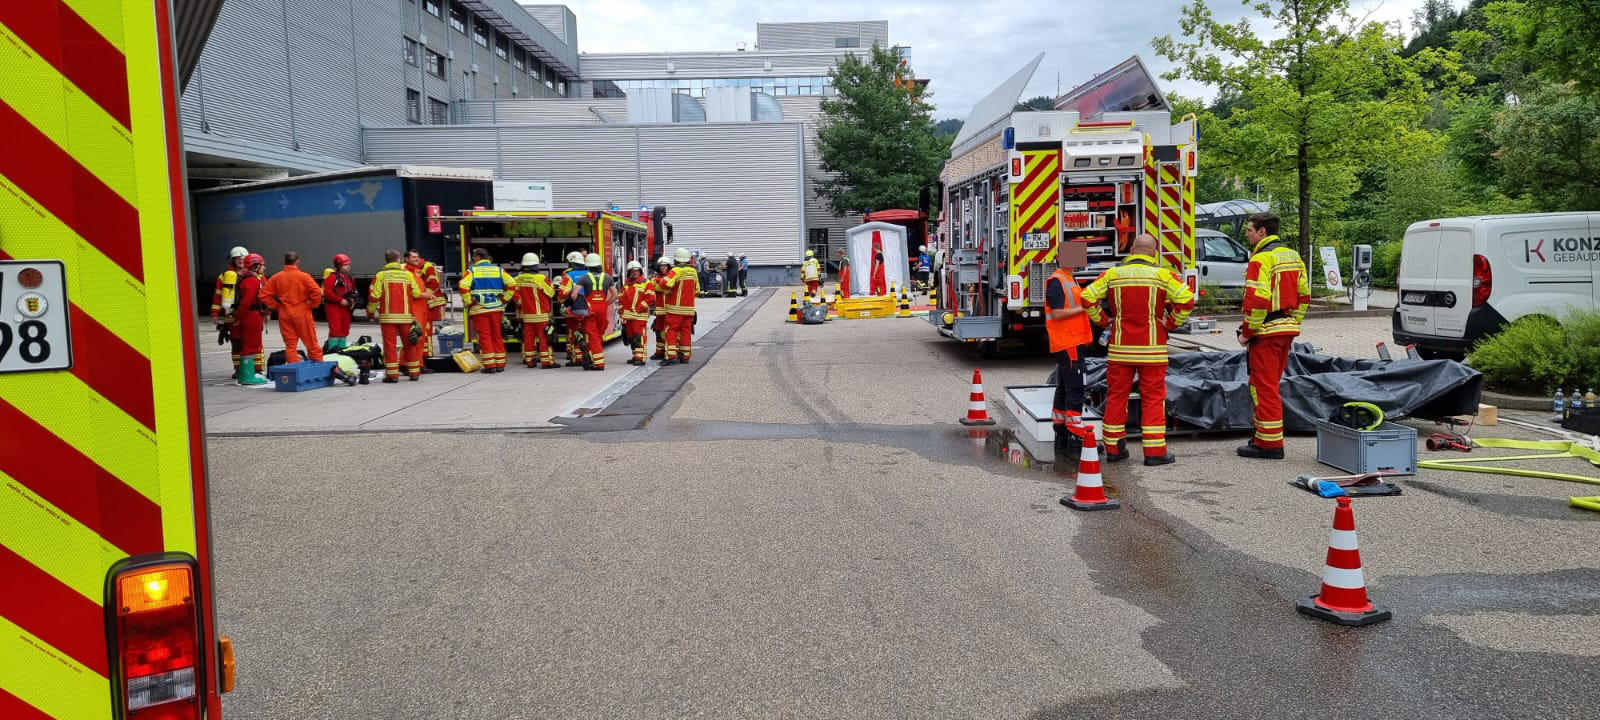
x=1564, y=448
x=1587, y=503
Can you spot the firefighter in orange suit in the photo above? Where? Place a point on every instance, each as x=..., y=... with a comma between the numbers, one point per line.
x=636, y=297
x=423, y=308
x=294, y=295
x=1277, y=293
x=602, y=291
x=249, y=321
x=880, y=286
x=683, y=284
x=1067, y=324
x=222, y=300
x=533, y=296
x=658, y=287
x=1145, y=300
x=485, y=287
x=393, y=291
x=844, y=275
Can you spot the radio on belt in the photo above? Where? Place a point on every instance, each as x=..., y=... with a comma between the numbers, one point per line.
x=34, y=330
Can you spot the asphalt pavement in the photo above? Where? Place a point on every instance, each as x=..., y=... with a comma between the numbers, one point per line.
x=800, y=528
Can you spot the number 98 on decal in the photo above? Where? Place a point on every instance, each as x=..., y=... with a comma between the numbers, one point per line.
x=33, y=316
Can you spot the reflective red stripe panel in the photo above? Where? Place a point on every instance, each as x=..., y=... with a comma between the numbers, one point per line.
x=53, y=612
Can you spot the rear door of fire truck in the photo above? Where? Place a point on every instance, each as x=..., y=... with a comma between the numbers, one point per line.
x=106, y=605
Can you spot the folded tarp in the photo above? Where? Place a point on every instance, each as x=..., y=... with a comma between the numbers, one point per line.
x=1211, y=390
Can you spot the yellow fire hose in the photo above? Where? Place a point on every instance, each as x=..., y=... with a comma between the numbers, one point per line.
x=1562, y=448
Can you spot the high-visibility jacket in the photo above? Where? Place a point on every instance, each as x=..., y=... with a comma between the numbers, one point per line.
x=811, y=270
x=533, y=296
x=392, y=292
x=572, y=290
x=1146, y=300
x=1068, y=334
x=683, y=284
x=432, y=283
x=485, y=288
x=597, y=295
x=1277, y=290
x=636, y=299
x=658, y=287
x=222, y=297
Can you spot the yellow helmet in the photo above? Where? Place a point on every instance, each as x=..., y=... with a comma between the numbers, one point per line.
x=681, y=255
x=811, y=253
x=593, y=260
x=529, y=260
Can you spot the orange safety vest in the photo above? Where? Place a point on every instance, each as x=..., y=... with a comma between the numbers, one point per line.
x=1068, y=333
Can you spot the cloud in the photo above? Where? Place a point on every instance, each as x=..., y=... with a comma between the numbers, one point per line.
x=965, y=48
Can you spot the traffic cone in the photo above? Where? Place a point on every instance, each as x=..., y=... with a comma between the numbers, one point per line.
x=905, y=303
x=933, y=295
x=794, y=308
x=1090, y=494
x=1343, y=599
x=977, y=407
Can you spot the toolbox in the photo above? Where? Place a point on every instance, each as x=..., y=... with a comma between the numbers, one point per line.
x=1389, y=448
x=295, y=377
x=865, y=307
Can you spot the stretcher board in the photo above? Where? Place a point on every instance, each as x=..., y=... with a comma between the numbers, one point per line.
x=1031, y=406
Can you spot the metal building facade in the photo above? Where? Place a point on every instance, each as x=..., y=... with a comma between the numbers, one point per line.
x=810, y=35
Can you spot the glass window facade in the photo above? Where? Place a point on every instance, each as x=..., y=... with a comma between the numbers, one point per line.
x=696, y=87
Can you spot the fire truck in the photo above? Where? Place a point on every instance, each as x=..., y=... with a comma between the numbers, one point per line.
x=105, y=549
x=1028, y=191
x=551, y=234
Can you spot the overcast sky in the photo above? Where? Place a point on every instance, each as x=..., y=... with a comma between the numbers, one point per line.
x=965, y=48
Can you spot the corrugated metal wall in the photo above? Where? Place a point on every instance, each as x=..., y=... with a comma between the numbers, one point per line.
x=729, y=187
x=606, y=66
x=484, y=112
x=808, y=110
x=809, y=35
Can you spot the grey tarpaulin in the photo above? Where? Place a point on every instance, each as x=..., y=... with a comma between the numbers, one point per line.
x=1211, y=390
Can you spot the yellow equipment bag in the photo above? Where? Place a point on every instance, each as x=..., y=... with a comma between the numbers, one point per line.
x=467, y=361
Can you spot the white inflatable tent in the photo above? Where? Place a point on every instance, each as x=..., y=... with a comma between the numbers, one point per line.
x=860, y=241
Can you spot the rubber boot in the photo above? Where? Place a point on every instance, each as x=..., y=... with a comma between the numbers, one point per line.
x=1069, y=445
x=247, y=372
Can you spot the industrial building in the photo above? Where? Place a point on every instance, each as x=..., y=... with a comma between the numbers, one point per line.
x=725, y=139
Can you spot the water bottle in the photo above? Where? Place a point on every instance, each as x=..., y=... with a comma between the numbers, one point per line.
x=1589, y=398
x=1575, y=403
x=1558, y=404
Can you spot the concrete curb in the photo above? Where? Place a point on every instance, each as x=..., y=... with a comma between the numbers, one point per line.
x=1515, y=402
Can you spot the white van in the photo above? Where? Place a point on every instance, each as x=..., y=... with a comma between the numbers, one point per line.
x=1464, y=278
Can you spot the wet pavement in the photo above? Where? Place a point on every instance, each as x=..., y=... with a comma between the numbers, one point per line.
x=799, y=528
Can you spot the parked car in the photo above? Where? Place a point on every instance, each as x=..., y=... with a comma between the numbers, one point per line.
x=1464, y=278
x=1221, y=261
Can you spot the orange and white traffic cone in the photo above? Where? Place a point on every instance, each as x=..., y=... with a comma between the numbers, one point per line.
x=1090, y=494
x=977, y=407
x=1343, y=599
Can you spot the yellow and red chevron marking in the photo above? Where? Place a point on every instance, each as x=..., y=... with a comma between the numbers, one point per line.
x=1171, y=235
x=1152, y=193
x=1187, y=221
x=104, y=460
x=1036, y=206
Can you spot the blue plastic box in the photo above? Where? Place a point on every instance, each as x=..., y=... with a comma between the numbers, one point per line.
x=448, y=344
x=299, y=376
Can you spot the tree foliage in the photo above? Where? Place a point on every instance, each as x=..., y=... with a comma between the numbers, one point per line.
x=877, y=136
x=1042, y=102
x=1561, y=38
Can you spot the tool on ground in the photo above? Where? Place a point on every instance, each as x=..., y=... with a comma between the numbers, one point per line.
x=1090, y=492
x=1343, y=599
x=977, y=407
x=1358, y=416
x=1359, y=485
x=1449, y=441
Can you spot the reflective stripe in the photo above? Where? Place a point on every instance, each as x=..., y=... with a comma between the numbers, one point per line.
x=1342, y=578
x=1343, y=540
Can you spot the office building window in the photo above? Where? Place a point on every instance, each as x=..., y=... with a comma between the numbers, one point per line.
x=413, y=106
x=608, y=89
x=458, y=19
x=480, y=33
x=550, y=78
x=434, y=7
x=438, y=112
x=411, y=52
x=435, y=66
x=846, y=42
x=502, y=46
x=519, y=59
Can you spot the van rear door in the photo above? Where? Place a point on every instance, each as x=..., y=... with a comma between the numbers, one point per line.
x=1419, y=275
x=1452, y=288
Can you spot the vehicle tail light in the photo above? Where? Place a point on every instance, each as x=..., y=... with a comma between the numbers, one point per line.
x=156, y=630
x=1016, y=327
x=1016, y=290
x=1482, y=280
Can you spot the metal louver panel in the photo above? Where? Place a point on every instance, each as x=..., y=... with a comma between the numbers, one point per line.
x=191, y=25
x=1038, y=275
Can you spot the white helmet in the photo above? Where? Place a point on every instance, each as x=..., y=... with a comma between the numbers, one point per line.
x=529, y=260
x=924, y=249
x=575, y=257
x=664, y=260
x=238, y=252
x=634, y=265
x=593, y=260
x=681, y=255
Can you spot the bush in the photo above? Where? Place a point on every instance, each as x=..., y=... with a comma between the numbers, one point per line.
x=1386, y=263
x=1536, y=354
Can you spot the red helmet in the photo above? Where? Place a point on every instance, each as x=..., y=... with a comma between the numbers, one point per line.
x=253, y=260
x=341, y=259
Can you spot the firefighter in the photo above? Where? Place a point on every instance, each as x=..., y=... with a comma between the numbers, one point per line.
x=249, y=321
x=637, y=295
x=1145, y=300
x=811, y=273
x=393, y=291
x=880, y=284
x=924, y=267
x=338, y=293
x=423, y=308
x=844, y=274
x=485, y=287
x=600, y=293
x=574, y=307
x=682, y=286
x=294, y=295
x=533, y=296
x=658, y=287
x=1277, y=293
x=1067, y=324
x=222, y=300
x=744, y=275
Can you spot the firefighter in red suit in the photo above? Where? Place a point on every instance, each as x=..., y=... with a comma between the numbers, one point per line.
x=844, y=275
x=533, y=297
x=485, y=288
x=637, y=295
x=602, y=292
x=226, y=293
x=1277, y=293
x=392, y=292
x=1146, y=300
x=249, y=320
x=683, y=284
x=338, y=301
x=658, y=290
x=423, y=308
x=880, y=286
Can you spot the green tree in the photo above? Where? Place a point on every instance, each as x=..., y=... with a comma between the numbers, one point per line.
x=1561, y=38
x=1319, y=96
x=877, y=137
x=949, y=126
x=1548, y=146
x=1042, y=102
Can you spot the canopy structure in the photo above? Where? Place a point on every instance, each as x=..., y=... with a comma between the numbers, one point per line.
x=867, y=239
